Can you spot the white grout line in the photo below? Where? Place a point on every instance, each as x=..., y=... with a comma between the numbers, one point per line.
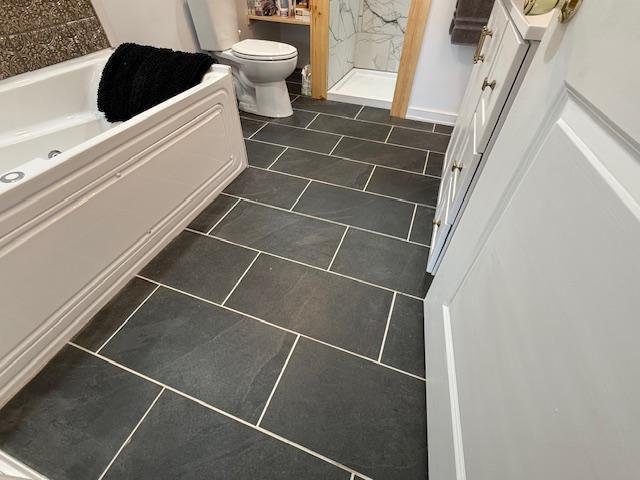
x=336, y=145
x=127, y=319
x=335, y=254
x=221, y=412
x=426, y=161
x=277, y=158
x=254, y=133
x=413, y=218
x=346, y=158
x=386, y=328
x=349, y=188
x=359, y=112
x=240, y=279
x=374, y=193
x=275, y=386
x=333, y=272
x=360, y=138
x=431, y=130
x=300, y=196
x=223, y=217
x=352, y=477
x=389, y=134
x=285, y=329
x=295, y=98
x=128, y=439
x=402, y=239
x=312, y=120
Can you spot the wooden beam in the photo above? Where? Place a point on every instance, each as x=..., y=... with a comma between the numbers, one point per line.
x=319, y=48
x=413, y=36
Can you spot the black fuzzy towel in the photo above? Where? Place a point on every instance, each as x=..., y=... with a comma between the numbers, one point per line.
x=138, y=77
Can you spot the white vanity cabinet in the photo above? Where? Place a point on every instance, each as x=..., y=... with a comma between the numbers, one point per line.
x=504, y=52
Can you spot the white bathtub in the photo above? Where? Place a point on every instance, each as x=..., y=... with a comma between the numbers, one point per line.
x=76, y=227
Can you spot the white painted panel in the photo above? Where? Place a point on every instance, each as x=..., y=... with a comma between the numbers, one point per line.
x=547, y=349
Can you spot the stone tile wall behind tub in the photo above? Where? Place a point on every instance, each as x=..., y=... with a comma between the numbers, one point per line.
x=38, y=33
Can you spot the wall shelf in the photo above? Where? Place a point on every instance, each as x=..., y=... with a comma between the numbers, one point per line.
x=279, y=19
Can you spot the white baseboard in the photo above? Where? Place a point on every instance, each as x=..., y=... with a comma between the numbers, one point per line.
x=434, y=116
x=12, y=468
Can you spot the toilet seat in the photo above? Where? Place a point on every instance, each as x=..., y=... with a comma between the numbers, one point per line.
x=263, y=50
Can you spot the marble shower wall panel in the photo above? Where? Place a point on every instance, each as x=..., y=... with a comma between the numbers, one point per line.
x=38, y=33
x=343, y=22
x=380, y=34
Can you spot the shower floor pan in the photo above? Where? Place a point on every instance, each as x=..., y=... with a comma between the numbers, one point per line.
x=365, y=87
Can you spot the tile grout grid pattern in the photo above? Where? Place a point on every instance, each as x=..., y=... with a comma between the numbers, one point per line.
x=279, y=336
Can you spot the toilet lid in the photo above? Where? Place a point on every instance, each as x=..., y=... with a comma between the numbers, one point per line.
x=263, y=50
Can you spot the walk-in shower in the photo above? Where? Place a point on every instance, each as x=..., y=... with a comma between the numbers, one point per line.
x=365, y=43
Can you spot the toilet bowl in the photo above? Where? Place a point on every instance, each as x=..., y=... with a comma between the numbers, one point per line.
x=260, y=68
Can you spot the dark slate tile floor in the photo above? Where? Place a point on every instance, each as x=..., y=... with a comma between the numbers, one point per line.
x=280, y=336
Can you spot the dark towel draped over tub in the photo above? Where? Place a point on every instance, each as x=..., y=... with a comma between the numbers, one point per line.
x=138, y=77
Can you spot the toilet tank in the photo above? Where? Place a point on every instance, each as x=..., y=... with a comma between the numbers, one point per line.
x=216, y=23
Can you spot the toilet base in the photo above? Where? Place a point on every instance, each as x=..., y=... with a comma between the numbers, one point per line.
x=265, y=99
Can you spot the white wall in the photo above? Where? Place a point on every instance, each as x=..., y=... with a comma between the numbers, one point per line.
x=148, y=22
x=167, y=23
x=443, y=69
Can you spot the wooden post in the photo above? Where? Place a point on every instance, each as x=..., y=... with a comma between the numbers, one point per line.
x=319, y=48
x=418, y=14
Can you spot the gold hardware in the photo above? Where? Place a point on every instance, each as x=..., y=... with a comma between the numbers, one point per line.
x=539, y=7
x=478, y=56
x=486, y=83
x=455, y=167
x=569, y=9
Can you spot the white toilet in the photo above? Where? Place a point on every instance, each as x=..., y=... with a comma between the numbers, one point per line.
x=259, y=67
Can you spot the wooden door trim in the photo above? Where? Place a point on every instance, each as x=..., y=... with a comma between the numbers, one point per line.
x=418, y=14
x=319, y=48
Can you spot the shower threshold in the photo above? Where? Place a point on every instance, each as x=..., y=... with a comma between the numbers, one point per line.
x=372, y=88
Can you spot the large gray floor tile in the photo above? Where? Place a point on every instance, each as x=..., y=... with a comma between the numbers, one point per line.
x=249, y=127
x=297, y=137
x=267, y=187
x=363, y=415
x=113, y=314
x=355, y=208
x=180, y=439
x=448, y=129
x=210, y=353
x=352, y=128
x=213, y=213
x=422, y=225
x=436, y=142
x=404, y=346
x=72, y=418
x=324, y=168
x=300, y=118
x=327, y=106
x=434, y=164
x=327, y=307
x=407, y=186
x=287, y=234
x=384, y=261
x=382, y=115
x=262, y=154
x=381, y=154
x=294, y=87
x=200, y=265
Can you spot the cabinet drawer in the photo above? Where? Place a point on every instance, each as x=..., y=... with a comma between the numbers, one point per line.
x=494, y=88
x=462, y=172
x=496, y=25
